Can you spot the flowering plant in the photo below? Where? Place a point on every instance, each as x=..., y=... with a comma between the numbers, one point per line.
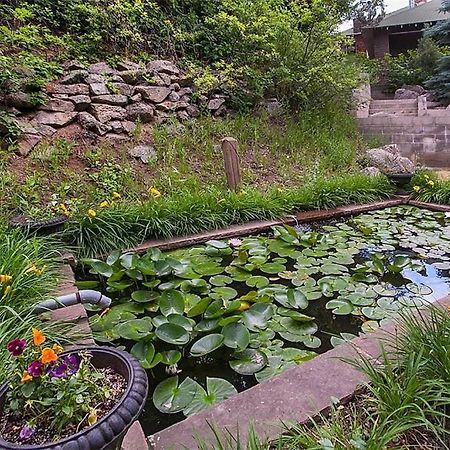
x=51, y=390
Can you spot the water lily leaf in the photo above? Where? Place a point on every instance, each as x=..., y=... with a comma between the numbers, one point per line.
x=144, y=296
x=385, y=290
x=136, y=329
x=223, y=293
x=248, y=362
x=100, y=267
x=257, y=281
x=374, y=313
x=144, y=352
x=208, y=268
x=410, y=302
x=177, y=319
x=341, y=339
x=90, y=284
x=312, y=341
x=275, y=366
x=220, y=280
x=442, y=265
x=207, y=325
x=237, y=273
x=236, y=336
x=199, y=308
x=420, y=289
x=257, y=316
x=296, y=327
x=369, y=326
x=171, y=302
x=170, y=357
x=207, y=344
x=272, y=267
x=295, y=315
x=340, y=307
x=333, y=269
x=218, y=390
x=170, y=398
x=172, y=334
x=114, y=285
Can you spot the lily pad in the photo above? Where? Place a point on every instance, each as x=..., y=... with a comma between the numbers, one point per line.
x=170, y=398
x=207, y=344
x=248, y=362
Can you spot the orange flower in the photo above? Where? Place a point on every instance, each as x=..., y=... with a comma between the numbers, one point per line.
x=38, y=337
x=57, y=348
x=48, y=355
x=26, y=377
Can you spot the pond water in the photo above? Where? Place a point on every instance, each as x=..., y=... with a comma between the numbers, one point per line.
x=219, y=318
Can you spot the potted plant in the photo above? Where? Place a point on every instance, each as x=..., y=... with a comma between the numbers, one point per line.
x=85, y=398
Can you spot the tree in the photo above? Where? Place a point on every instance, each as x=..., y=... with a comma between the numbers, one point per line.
x=367, y=12
x=440, y=82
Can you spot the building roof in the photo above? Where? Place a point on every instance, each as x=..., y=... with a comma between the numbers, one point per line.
x=428, y=12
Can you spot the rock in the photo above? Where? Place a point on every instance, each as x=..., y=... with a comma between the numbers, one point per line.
x=116, y=126
x=222, y=111
x=203, y=99
x=215, y=103
x=136, y=98
x=89, y=122
x=162, y=79
x=116, y=139
x=175, y=87
x=117, y=79
x=28, y=127
x=74, y=77
x=183, y=115
x=58, y=105
x=163, y=66
x=62, y=96
x=141, y=111
x=128, y=126
x=98, y=89
x=110, y=99
x=371, y=171
x=106, y=113
x=55, y=119
x=193, y=110
x=127, y=65
x=20, y=100
x=171, y=106
x=133, y=76
x=185, y=91
x=405, y=94
x=174, y=96
x=162, y=117
x=72, y=89
x=272, y=106
x=145, y=153
x=415, y=88
x=101, y=68
x=186, y=98
x=46, y=130
x=155, y=94
x=95, y=78
x=73, y=65
x=122, y=89
x=27, y=142
x=81, y=102
x=389, y=160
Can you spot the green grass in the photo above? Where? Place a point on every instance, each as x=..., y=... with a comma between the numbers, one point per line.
x=194, y=210
x=431, y=188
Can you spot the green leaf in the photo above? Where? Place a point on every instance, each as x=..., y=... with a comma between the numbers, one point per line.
x=170, y=357
x=236, y=336
x=101, y=268
x=171, y=302
x=199, y=308
x=223, y=293
x=173, y=334
x=207, y=344
x=144, y=352
x=272, y=267
x=218, y=390
x=144, y=296
x=136, y=329
x=170, y=398
x=248, y=362
x=340, y=307
x=220, y=280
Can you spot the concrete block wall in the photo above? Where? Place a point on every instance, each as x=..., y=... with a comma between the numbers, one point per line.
x=425, y=139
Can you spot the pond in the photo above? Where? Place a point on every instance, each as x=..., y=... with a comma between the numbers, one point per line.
x=214, y=319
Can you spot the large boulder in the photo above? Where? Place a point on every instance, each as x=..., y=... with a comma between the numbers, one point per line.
x=55, y=119
x=163, y=66
x=145, y=153
x=155, y=94
x=89, y=122
x=106, y=113
x=389, y=160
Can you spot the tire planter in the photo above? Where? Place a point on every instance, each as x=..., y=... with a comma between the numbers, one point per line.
x=108, y=432
x=39, y=227
x=400, y=180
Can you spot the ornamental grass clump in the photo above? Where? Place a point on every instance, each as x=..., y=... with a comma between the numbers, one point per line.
x=51, y=394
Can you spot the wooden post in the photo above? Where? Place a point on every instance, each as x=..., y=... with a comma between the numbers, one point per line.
x=231, y=160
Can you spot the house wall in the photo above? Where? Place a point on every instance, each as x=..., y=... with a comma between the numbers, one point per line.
x=425, y=139
x=380, y=42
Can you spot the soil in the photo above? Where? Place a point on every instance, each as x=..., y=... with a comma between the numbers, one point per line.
x=10, y=425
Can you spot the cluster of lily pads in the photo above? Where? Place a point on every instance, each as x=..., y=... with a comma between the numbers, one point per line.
x=255, y=299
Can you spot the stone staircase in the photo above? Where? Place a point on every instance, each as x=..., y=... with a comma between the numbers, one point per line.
x=393, y=107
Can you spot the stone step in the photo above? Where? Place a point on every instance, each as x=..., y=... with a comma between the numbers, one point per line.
x=386, y=103
x=394, y=109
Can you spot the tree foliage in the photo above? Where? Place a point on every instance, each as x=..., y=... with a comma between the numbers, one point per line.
x=367, y=12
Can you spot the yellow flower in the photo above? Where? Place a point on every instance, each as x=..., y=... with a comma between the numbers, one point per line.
x=103, y=204
x=92, y=418
x=8, y=290
x=5, y=278
x=222, y=200
x=426, y=177
x=280, y=190
x=91, y=213
x=242, y=192
x=64, y=209
x=416, y=188
x=116, y=196
x=26, y=377
x=154, y=192
x=35, y=269
x=57, y=348
x=38, y=337
x=431, y=183
x=48, y=355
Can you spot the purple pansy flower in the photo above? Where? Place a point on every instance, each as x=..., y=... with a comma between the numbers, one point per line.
x=16, y=347
x=58, y=371
x=26, y=432
x=73, y=363
x=36, y=369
